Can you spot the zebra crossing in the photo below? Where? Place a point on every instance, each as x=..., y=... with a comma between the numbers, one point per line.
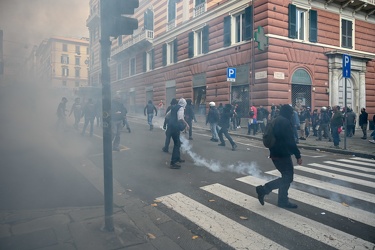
x=356, y=173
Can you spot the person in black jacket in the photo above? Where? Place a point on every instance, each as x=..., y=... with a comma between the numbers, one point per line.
x=149, y=109
x=167, y=129
x=280, y=154
x=118, y=113
x=363, y=119
x=190, y=117
x=224, y=123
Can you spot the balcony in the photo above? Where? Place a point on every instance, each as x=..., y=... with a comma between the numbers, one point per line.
x=141, y=39
x=200, y=9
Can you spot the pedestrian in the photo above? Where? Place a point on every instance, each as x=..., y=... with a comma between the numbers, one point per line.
x=118, y=113
x=239, y=115
x=323, y=124
x=350, y=122
x=363, y=120
x=190, y=117
x=295, y=124
x=125, y=120
x=213, y=118
x=234, y=117
x=177, y=117
x=255, y=117
x=252, y=122
x=336, y=123
x=373, y=132
x=224, y=123
x=77, y=112
x=149, y=110
x=161, y=107
x=61, y=114
x=273, y=111
x=314, y=122
x=89, y=116
x=167, y=129
x=220, y=108
x=280, y=154
x=262, y=118
x=302, y=120
x=308, y=122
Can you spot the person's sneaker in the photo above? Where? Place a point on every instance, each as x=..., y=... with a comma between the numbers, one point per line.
x=372, y=141
x=175, y=166
x=181, y=161
x=287, y=205
x=212, y=139
x=165, y=150
x=234, y=147
x=302, y=138
x=261, y=194
x=215, y=140
x=221, y=144
x=129, y=130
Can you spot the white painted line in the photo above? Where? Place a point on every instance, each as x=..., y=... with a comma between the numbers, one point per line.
x=368, y=170
x=363, y=159
x=223, y=228
x=315, y=230
x=330, y=187
x=321, y=203
x=337, y=176
x=370, y=176
x=358, y=162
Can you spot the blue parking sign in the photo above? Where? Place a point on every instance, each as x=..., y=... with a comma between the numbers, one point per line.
x=231, y=74
x=346, y=66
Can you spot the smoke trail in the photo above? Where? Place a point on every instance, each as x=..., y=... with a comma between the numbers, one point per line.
x=215, y=166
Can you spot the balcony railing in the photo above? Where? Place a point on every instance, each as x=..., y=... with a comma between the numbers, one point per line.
x=200, y=9
x=372, y=2
x=143, y=35
x=171, y=25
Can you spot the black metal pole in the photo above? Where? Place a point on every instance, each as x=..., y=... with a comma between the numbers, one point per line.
x=105, y=50
x=345, y=114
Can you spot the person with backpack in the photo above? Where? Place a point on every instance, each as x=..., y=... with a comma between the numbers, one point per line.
x=213, y=118
x=190, y=117
x=89, y=114
x=224, y=124
x=177, y=123
x=280, y=154
x=149, y=109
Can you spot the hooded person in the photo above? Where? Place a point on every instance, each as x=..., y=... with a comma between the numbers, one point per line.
x=167, y=128
x=149, y=110
x=280, y=154
x=224, y=123
x=176, y=118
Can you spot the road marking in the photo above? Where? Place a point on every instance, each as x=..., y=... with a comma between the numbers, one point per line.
x=336, y=176
x=358, y=162
x=298, y=223
x=330, y=187
x=368, y=170
x=343, y=170
x=220, y=226
x=363, y=159
x=319, y=202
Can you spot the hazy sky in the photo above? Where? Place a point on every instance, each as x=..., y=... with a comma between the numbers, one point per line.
x=27, y=22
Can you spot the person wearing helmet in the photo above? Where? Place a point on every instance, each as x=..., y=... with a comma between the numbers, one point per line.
x=323, y=123
x=213, y=119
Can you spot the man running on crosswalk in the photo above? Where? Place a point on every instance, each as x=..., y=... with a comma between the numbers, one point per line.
x=280, y=154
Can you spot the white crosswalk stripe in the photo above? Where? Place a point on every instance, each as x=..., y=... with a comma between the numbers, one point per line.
x=238, y=236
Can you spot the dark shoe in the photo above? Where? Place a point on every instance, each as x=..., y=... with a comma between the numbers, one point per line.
x=181, y=161
x=234, y=147
x=175, y=166
x=129, y=130
x=318, y=139
x=212, y=139
x=287, y=205
x=261, y=194
x=165, y=150
x=221, y=144
x=302, y=138
x=215, y=140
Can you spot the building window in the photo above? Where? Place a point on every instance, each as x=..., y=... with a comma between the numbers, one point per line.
x=148, y=60
x=78, y=50
x=65, y=71
x=170, y=52
x=238, y=27
x=149, y=20
x=301, y=21
x=200, y=7
x=132, y=66
x=78, y=61
x=346, y=33
x=198, y=42
x=77, y=72
x=64, y=59
x=65, y=47
x=171, y=14
x=119, y=71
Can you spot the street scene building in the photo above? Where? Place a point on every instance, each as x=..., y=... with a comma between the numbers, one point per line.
x=184, y=49
x=61, y=63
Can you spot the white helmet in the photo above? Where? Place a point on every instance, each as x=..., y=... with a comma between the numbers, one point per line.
x=324, y=109
x=212, y=104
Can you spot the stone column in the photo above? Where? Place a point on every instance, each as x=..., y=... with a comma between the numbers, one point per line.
x=362, y=90
x=334, y=89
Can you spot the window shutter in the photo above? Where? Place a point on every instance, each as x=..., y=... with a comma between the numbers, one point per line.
x=191, y=45
x=164, y=54
x=175, y=50
x=205, y=36
x=313, y=26
x=249, y=23
x=152, y=59
x=292, y=21
x=227, y=33
x=144, y=61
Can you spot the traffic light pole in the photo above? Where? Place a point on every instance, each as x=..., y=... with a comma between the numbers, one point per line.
x=105, y=49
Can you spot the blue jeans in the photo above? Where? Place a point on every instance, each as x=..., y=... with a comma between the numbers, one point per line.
x=213, y=127
x=149, y=119
x=335, y=135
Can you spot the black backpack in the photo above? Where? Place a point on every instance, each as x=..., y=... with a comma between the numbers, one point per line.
x=269, y=138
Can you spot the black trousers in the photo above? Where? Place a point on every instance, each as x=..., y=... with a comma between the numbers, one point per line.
x=285, y=167
x=175, y=134
x=227, y=135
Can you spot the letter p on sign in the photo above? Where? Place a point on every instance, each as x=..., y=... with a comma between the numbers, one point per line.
x=346, y=65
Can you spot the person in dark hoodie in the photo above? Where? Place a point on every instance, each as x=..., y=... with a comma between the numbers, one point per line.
x=280, y=154
x=168, y=130
x=224, y=123
x=149, y=109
